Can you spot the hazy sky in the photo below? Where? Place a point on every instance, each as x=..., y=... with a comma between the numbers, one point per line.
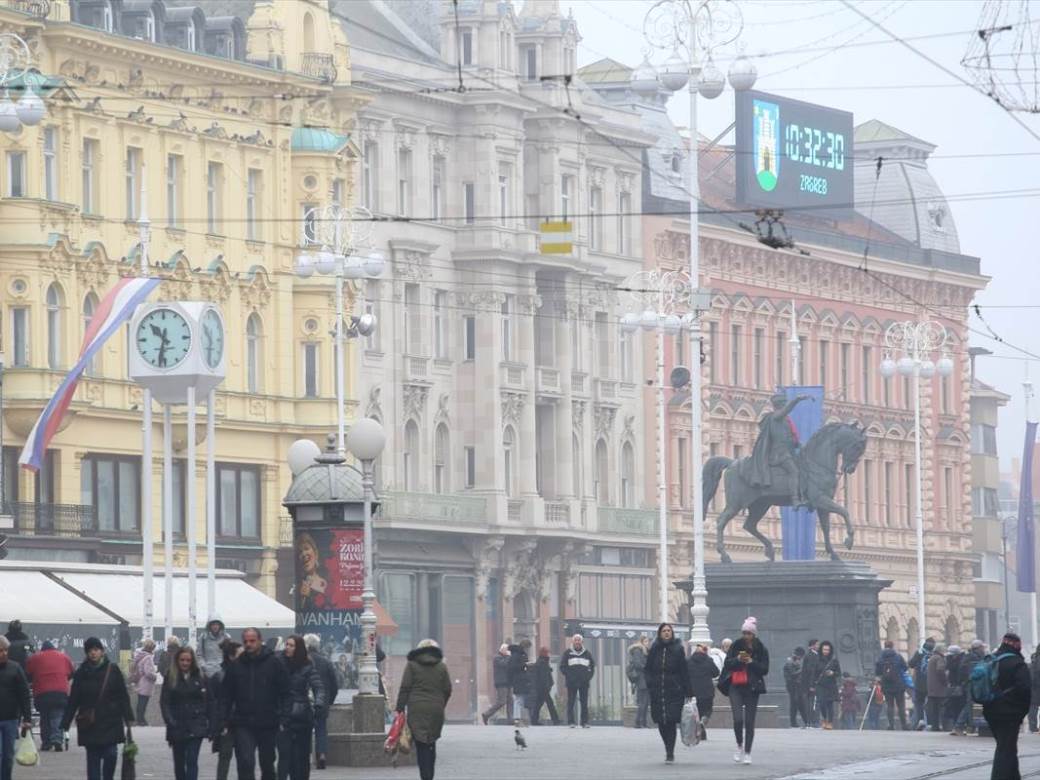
x=830, y=65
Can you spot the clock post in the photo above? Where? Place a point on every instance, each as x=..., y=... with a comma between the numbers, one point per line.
x=178, y=355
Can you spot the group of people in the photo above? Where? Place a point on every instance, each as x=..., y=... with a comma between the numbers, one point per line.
x=817, y=689
x=245, y=698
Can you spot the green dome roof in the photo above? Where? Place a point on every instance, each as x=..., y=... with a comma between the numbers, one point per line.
x=315, y=139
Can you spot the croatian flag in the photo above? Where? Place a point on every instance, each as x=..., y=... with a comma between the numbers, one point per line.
x=117, y=307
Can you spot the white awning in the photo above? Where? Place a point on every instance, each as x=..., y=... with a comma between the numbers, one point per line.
x=120, y=589
x=35, y=599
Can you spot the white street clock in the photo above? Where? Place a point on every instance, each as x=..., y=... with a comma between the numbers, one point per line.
x=177, y=345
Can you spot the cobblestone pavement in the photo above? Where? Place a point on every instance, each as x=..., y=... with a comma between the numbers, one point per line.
x=488, y=753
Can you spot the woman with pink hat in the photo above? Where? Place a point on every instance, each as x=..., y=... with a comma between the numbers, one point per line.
x=743, y=681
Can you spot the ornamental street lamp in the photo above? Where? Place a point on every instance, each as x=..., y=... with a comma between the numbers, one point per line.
x=336, y=240
x=366, y=441
x=15, y=59
x=686, y=29
x=917, y=342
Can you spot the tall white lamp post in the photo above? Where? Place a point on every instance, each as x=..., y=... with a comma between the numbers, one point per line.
x=917, y=342
x=687, y=29
x=366, y=441
x=335, y=241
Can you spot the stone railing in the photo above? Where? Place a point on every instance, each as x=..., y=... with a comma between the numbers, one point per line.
x=606, y=391
x=515, y=510
x=548, y=380
x=557, y=513
x=438, y=508
x=633, y=522
x=512, y=375
x=417, y=368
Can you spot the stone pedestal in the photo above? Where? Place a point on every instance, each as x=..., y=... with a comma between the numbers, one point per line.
x=795, y=601
x=357, y=732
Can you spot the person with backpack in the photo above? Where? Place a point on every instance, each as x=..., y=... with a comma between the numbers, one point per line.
x=1034, y=675
x=966, y=720
x=936, y=677
x=919, y=666
x=793, y=669
x=634, y=673
x=891, y=674
x=142, y=678
x=1002, y=684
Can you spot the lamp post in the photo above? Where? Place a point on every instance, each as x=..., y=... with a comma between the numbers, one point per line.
x=687, y=28
x=917, y=341
x=14, y=62
x=335, y=241
x=365, y=442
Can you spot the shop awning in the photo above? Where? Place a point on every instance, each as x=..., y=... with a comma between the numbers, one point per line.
x=32, y=597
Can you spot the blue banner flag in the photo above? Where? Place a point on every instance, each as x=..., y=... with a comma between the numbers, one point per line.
x=798, y=524
x=1026, y=548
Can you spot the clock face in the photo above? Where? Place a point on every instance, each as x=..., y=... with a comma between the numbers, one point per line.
x=163, y=338
x=212, y=338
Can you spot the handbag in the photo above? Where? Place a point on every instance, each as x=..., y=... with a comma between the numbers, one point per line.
x=128, y=771
x=404, y=744
x=394, y=735
x=739, y=677
x=25, y=753
x=86, y=716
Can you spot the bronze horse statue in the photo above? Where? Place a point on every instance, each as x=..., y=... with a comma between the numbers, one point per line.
x=819, y=472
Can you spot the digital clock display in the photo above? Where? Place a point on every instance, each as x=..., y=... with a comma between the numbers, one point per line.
x=793, y=155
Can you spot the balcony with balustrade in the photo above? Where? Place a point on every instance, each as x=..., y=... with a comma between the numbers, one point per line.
x=436, y=511
x=318, y=65
x=640, y=523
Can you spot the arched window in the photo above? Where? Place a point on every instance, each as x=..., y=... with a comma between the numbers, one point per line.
x=952, y=631
x=54, y=302
x=913, y=637
x=90, y=304
x=411, y=455
x=578, y=465
x=308, y=33
x=254, y=370
x=441, y=461
x=892, y=631
x=602, y=475
x=509, y=460
x=628, y=475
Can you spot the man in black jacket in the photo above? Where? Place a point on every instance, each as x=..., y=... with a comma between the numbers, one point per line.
x=810, y=671
x=327, y=675
x=21, y=647
x=14, y=706
x=1005, y=713
x=520, y=677
x=578, y=667
x=255, y=691
x=503, y=689
x=795, y=692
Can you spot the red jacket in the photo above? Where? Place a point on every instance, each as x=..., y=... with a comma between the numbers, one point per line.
x=49, y=671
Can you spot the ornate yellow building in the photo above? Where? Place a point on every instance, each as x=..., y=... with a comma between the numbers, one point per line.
x=235, y=129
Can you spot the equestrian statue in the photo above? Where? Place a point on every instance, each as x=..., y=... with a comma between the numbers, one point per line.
x=781, y=472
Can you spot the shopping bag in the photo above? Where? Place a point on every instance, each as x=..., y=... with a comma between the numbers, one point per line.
x=393, y=737
x=129, y=769
x=690, y=726
x=25, y=750
x=404, y=744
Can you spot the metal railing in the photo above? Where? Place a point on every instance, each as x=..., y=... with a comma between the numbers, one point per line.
x=319, y=65
x=557, y=512
x=68, y=520
x=41, y=9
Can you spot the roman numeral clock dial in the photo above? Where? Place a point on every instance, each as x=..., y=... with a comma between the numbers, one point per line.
x=163, y=338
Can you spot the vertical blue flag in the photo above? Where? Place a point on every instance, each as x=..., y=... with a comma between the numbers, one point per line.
x=1026, y=528
x=799, y=525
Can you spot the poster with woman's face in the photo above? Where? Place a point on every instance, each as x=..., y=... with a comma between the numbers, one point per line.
x=330, y=578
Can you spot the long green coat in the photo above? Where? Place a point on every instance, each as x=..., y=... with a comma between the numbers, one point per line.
x=425, y=690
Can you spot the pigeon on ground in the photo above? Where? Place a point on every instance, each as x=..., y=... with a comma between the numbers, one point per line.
x=518, y=738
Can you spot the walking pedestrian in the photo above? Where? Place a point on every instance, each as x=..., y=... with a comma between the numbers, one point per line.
x=796, y=699
x=578, y=668
x=49, y=671
x=142, y=678
x=222, y=741
x=185, y=711
x=254, y=694
x=890, y=670
x=965, y=724
x=164, y=658
x=327, y=674
x=851, y=706
x=668, y=683
x=210, y=654
x=703, y=674
x=500, y=679
x=810, y=672
x=1005, y=713
x=542, y=685
x=956, y=688
x=919, y=666
x=21, y=646
x=936, y=677
x=743, y=681
x=424, y=693
x=635, y=671
x=520, y=678
x=306, y=697
x=99, y=702
x=15, y=707
x=827, y=677
x=1034, y=674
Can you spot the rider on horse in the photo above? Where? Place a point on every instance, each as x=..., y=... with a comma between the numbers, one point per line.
x=776, y=446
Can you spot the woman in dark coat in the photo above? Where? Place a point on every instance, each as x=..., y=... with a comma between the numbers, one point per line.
x=744, y=680
x=827, y=679
x=703, y=673
x=294, y=741
x=668, y=683
x=543, y=685
x=100, y=705
x=1004, y=714
x=425, y=690
x=223, y=739
x=185, y=711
